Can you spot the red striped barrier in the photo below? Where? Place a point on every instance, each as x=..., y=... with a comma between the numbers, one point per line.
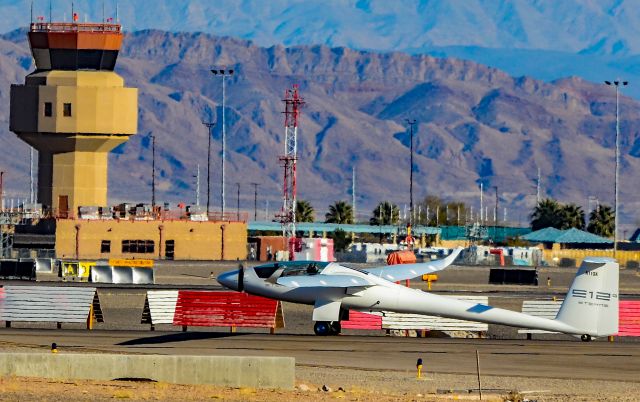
x=226, y=309
x=629, y=318
x=359, y=320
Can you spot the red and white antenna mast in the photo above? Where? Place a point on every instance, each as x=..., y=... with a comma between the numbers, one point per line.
x=292, y=103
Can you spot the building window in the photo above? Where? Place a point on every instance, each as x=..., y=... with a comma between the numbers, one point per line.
x=105, y=246
x=169, y=249
x=66, y=107
x=138, y=246
x=48, y=109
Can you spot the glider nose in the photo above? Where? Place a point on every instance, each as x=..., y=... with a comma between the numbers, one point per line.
x=229, y=279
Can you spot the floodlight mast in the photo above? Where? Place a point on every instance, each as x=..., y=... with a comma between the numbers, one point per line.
x=617, y=84
x=223, y=73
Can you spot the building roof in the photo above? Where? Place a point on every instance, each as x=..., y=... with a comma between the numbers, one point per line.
x=553, y=235
x=580, y=236
x=546, y=235
x=331, y=227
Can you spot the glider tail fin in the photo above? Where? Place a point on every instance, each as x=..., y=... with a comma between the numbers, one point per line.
x=591, y=306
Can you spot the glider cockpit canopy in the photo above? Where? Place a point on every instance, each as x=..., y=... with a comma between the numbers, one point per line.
x=290, y=268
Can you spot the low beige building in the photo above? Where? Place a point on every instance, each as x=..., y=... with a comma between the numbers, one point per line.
x=152, y=239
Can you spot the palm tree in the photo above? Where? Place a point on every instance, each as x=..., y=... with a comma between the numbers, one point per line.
x=341, y=240
x=602, y=221
x=548, y=213
x=339, y=212
x=385, y=213
x=573, y=217
x=304, y=211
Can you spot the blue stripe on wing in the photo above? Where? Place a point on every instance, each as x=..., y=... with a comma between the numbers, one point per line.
x=479, y=308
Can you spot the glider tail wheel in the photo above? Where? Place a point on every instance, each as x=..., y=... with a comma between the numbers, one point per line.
x=585, y=338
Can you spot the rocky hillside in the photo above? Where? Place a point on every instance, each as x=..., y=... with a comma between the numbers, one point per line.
x=475, y=124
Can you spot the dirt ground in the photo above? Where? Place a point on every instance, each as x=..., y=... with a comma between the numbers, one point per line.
x=343, y=384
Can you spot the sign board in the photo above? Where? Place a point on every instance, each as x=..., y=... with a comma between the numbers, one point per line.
x=131, y=263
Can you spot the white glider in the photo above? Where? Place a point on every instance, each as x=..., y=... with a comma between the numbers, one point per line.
x=590, y=308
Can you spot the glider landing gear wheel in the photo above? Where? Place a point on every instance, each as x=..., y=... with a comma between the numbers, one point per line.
x=322, y=328
x=336, y=328
x=585, y=338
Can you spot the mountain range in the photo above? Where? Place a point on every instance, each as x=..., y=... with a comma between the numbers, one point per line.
x=544, y=39
x=476, y=124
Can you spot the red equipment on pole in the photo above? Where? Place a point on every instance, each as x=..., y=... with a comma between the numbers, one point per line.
x=292, y=103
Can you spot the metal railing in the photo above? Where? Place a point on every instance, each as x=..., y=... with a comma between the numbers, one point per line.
x=74, y=27
x=160, y=215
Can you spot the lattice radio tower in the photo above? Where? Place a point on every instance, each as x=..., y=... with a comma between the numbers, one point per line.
x=292, y=103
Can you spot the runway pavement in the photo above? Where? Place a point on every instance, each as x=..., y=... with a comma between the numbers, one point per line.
x=542, y=359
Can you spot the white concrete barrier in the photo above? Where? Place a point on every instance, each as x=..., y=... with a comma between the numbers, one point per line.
x=229, y=371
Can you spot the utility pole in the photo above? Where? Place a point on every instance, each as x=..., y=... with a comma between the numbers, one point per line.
x=538, y=189
x=481, y=193
x=198, y=184
x=223, y=73
x=411, y=123
x=31, y=181
x=255, y=201
x=208, y=125
x=495, y=216
x=238, y=204
x=1, y=191
x=353, y=193
x=617, y=85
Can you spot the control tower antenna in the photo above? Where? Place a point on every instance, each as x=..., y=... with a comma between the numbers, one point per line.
x=292, y=103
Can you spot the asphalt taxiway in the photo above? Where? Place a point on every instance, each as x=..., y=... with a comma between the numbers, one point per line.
x=601, y=360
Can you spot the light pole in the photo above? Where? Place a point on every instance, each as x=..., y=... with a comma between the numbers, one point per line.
x=617, y=85
x=223, y=73
x=153, y=172
x=208, y=125
x=411, y=123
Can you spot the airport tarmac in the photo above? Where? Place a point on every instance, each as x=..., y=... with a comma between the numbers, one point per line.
x=555, y=369
x=552, y=367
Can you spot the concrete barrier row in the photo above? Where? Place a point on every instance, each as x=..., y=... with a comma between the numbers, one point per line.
x=228, y=371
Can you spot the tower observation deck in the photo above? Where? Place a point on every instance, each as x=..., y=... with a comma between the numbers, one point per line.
x=73, y=109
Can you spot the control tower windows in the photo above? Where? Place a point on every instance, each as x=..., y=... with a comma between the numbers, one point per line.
x=67, y=109
x=48, y=109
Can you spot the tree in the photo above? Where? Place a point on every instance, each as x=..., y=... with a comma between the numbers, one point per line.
x=602, y=221
x=341, y=240
x=304, y=211
x=548, y=213
x=573, y=217
x=385, y=213
x=339, y=212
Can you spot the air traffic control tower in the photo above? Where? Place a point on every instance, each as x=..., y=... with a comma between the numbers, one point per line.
x=73, y=109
